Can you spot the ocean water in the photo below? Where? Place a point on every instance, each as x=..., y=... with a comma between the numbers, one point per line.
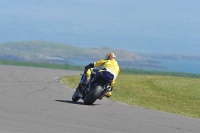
x=184, y=66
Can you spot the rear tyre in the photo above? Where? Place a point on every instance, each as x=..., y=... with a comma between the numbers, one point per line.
x=93, y=95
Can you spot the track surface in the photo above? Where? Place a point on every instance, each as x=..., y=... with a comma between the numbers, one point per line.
x=32, y=100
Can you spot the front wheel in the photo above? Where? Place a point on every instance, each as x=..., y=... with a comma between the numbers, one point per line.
x=75, y=97
x=93, y=95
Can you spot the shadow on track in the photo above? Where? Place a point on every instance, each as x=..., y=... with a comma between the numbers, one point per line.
x=71, y=102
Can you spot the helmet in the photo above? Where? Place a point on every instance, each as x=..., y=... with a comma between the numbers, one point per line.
x=110, y=56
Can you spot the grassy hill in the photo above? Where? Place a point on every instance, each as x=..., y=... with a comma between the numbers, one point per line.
x=48, y=51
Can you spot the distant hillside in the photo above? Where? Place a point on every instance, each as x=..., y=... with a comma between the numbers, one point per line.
x=54, y=52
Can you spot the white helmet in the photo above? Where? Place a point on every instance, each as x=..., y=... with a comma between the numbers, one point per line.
x=110, y=56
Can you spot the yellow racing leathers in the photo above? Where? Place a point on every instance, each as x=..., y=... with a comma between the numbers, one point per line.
x=106, y=65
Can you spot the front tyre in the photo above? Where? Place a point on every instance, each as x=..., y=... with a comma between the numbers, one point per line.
x=75, y=97
x=93, y=95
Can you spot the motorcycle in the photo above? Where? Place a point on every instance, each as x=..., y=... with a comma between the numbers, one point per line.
x=95, y=89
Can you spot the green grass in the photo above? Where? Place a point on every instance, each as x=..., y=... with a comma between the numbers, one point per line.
x=177, y=95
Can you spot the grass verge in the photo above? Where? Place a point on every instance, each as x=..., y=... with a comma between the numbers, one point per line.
x=177, y=95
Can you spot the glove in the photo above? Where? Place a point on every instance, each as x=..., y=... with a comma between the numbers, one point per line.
x=91, y=65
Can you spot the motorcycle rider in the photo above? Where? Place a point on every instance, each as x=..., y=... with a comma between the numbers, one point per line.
x=108, y=68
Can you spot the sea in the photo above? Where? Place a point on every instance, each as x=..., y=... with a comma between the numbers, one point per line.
x=184, y=66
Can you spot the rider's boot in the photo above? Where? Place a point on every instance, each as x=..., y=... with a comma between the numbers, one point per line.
x=108, y=94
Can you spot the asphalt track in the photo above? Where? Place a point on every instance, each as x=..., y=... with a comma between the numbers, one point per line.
x=32, y=100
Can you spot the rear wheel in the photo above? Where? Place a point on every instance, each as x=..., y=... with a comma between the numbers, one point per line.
x=93, y=95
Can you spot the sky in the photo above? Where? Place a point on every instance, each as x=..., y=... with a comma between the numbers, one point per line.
x=147, y=26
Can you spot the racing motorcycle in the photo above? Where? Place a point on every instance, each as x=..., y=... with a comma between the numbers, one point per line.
x=95, y=89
